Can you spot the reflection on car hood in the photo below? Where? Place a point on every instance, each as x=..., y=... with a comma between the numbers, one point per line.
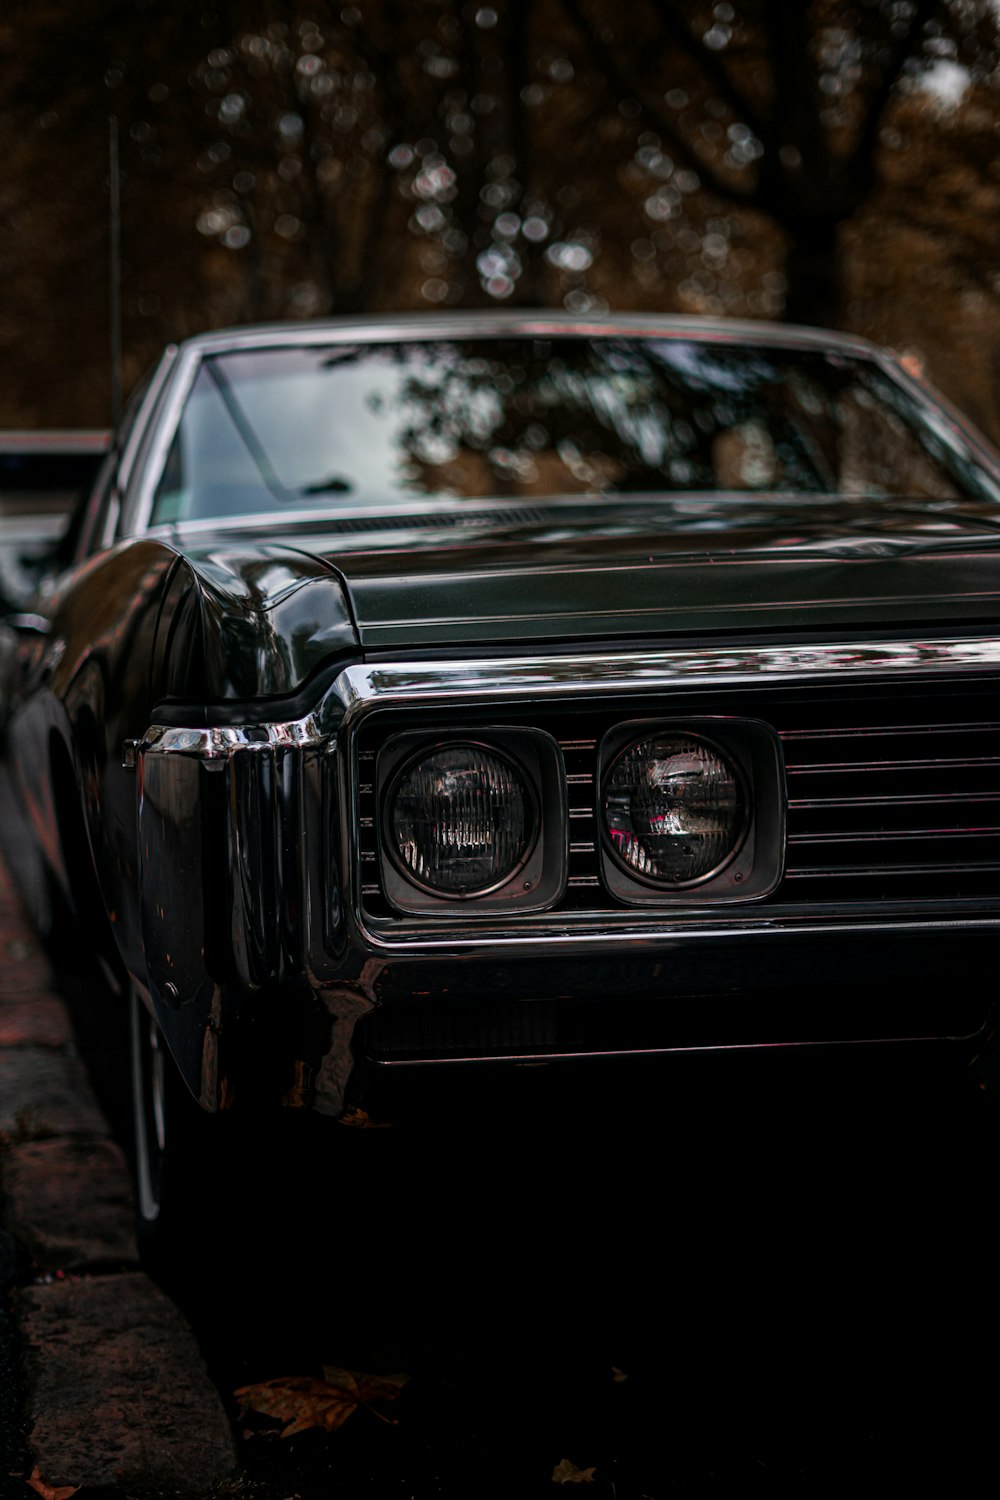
x=586, y=569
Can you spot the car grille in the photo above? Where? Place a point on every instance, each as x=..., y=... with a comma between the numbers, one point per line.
x=895, y=807
x=893, y=794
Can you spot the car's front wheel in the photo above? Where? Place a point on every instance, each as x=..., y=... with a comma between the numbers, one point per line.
x=176, y=1145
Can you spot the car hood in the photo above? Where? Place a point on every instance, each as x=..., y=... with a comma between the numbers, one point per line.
x=582, y=570
x=721, y=564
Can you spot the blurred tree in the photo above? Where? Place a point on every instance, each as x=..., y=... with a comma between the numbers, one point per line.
x=783, y=106
x=295, y=159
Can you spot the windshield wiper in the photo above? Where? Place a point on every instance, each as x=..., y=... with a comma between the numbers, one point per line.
x=335, y=485
x=251, y=441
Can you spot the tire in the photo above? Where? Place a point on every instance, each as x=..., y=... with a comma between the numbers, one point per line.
x=177, y=1150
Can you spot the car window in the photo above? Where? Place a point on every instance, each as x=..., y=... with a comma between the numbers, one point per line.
x=88, y=525
x=374, y=423
x=94, y=526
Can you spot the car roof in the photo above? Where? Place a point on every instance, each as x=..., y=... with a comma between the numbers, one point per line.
x=461, y=325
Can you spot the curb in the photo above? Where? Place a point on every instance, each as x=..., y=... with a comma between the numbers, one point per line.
x=116, y=1391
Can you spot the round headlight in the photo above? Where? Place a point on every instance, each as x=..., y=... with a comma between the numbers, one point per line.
x=460, y=820
x=674, y=808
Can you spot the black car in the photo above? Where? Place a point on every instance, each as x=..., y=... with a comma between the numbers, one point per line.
x=431, y=692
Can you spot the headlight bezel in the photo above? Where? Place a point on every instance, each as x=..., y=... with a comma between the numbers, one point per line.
x=539, y=879
x=754, y=867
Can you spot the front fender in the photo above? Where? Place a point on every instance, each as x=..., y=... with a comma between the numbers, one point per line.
x=234, y=877
x=240, y=626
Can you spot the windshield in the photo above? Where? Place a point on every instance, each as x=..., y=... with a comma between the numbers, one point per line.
x=404, y=423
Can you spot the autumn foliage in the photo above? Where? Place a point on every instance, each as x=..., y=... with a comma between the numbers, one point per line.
x=832, y=161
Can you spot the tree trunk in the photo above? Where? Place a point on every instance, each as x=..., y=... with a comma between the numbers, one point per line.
x=814, y=275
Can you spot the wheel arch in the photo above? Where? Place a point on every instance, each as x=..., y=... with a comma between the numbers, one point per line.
x=76, y=872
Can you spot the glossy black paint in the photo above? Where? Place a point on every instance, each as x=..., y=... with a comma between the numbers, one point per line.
x=586, y=577
x=610, y=571
x=249, y=621
x=221, y=883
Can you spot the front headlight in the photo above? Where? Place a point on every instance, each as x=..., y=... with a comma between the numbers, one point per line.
x=674, y=807
x=461, y=820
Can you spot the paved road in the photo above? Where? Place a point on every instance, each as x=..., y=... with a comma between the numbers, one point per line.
x=101, y=1381
x=13, y=1455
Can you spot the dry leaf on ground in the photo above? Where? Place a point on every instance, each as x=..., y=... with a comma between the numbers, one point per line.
x=566, y=1472
x=365, y=1388
x=50, y=1491
x=301, y=1401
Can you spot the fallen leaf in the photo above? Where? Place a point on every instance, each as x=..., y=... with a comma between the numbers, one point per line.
x=568, y=1473
x=50, y=1491
x=301, y=1401
x=365, y=1388
x=360, y=1119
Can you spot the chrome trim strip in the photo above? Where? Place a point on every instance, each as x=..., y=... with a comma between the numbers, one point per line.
x=364, y=328
x=222, y=741
x=561, y=939
x=878, y=872
x=894, y=836
x=588, y=1054
x=892, y=799
x=926, y=763
x=139, y=501
x=955, y=426
x=875, y=731
x=139, y=427
x=359, y=689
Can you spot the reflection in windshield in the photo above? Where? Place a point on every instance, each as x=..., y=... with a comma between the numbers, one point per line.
x=373, y=424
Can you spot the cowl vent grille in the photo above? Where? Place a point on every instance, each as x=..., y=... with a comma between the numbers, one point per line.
x=441, y=520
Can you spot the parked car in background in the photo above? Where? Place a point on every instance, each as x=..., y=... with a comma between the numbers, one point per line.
x=41, y=477
x=433, y=691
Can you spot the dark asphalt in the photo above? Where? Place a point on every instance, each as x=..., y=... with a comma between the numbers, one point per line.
x=101, y=1382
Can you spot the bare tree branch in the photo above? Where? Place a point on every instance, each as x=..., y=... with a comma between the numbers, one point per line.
x=710, y=63
x=861, y=167
x=622, y=75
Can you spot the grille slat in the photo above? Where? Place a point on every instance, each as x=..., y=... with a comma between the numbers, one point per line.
x=894, y=792
x=876, y=835
x=890, y=799
x=871, y=872
x=865, y=767
x=878, y=730
x=912, y=808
